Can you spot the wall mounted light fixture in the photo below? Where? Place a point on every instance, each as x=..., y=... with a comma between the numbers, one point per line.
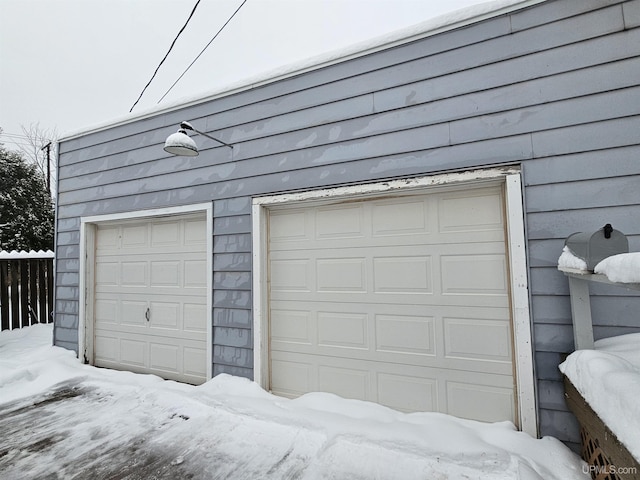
x=180, y=143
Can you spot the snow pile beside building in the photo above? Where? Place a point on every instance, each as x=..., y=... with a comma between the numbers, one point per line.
x=608, y=378
x=230, y=427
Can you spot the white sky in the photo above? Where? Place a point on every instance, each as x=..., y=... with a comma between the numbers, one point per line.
x=70, y=64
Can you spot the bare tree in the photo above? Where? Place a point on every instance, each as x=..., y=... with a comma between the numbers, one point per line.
x=39, y=146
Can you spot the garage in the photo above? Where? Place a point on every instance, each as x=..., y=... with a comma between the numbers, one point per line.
x=401, y=299
x=150, y=296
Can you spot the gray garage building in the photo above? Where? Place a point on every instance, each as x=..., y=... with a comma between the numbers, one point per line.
x=386, y=225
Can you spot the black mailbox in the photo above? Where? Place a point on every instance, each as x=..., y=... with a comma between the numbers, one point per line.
x=595, y=247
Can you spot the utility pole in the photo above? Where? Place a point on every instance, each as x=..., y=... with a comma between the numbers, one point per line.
x=47, y=147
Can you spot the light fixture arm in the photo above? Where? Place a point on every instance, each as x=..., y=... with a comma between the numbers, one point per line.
x=188, y=126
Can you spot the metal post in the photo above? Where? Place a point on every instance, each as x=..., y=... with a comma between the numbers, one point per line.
x=47, y=147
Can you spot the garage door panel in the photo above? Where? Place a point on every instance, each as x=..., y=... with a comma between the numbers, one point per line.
x=466, y=211
x=291, y=326
x=289, y=275
x=195, y=317
x=164, y=357
x=407, y=393
x=404, y=387
x=415, y=219
x=410, y=309
x=107, y=349
x=346, y=275
x=132, y=313
x=106, y=312
x=399, y=274
x=148, y=251
x=405, y=334
x=382, y=241
x=339, y=222
x=477, y=339
x=194, y=362
x=108, y=238
x=107, y=274
x=480, y=402
x=129, y=331
x=195, y=273
x=348, y=356
x=165, y=234
x=346, y=382
x=437, y=359
x=451, y=333
x=134, y=236
x=390, y=299
x=473, y=275
x=165, y=273
x=151, y=297
x=291, y=378
x=289, y=226
x=134, y=274
x=344, y=330
x=165, y=315
x=193, y=233
x=118, y=292
x=398, y=299
x=133, y=352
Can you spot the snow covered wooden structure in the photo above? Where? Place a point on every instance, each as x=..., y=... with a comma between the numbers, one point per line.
x=387, y=225
x=26, y=288
x=608, y=458
x=608, y=378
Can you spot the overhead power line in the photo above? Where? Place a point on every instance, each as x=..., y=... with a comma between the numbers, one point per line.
x=166, y=55
x=202, y=51
x=14, y=135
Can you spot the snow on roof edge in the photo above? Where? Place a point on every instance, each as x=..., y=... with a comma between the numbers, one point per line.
x=440, y=24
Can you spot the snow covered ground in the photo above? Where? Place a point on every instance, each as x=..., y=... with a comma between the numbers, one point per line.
x=62, y=419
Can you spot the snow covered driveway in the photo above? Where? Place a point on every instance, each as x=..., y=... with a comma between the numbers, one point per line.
x=61, y=419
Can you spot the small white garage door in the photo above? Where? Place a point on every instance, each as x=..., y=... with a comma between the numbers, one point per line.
x=150, y=297
x=402, y=301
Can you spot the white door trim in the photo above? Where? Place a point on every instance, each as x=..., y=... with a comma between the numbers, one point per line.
x=87, y=261
x=523, y=351
x=521, y=315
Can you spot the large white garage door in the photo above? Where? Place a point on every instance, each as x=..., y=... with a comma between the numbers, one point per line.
x=150, y=297
x=402, y=301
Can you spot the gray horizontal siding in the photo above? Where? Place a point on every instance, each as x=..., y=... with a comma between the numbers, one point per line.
x=581, y=194
x=554, y=88
x=615, y=162
x=631, y=12
x=553, y=12
x=437, y=64
x=232, y=320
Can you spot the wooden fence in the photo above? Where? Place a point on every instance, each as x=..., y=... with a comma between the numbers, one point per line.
x=26, y=289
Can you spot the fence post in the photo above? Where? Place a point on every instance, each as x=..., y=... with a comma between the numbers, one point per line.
x=14, y=273
x=33, y=290
x=42, y=291
x=50, y=288
x=24, y=293
x=4, y=295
